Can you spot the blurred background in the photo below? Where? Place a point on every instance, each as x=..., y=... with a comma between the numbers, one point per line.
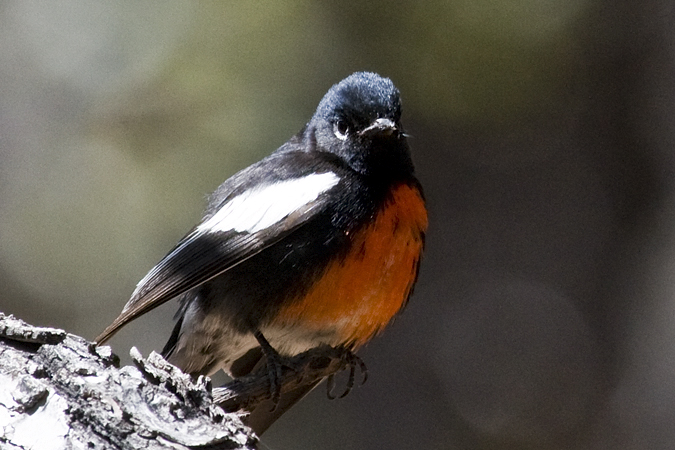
x=543, y=133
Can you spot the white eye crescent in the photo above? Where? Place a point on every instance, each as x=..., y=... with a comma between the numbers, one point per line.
x=341, y=129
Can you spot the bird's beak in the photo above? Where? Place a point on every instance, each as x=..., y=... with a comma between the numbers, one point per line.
x=381, y=126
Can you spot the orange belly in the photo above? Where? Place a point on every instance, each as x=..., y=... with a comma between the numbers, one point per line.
x=358, y=295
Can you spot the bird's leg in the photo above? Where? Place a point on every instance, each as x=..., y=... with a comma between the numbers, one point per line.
x=274, y=365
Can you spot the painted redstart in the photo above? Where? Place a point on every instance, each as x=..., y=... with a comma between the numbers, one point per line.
x=318, y=243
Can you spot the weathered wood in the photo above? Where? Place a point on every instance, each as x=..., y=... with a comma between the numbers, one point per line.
x=60, y=391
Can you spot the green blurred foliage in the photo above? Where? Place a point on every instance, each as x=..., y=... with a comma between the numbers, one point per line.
x=118, y=118
x=148, y=107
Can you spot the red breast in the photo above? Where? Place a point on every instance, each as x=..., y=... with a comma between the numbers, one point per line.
x=359, y=294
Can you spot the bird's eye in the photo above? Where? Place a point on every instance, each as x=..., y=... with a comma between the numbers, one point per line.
x=341, y=129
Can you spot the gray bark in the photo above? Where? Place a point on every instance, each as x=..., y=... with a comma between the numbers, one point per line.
x=59, y=391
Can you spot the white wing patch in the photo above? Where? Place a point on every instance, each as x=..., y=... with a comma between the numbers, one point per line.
x=266, y=205
x=253, y=211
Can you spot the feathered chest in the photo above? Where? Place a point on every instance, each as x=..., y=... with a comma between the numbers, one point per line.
x=357, y=295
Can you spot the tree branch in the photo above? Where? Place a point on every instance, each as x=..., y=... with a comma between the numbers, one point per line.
x=61, y=391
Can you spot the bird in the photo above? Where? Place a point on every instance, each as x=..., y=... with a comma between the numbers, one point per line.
x=319, y=243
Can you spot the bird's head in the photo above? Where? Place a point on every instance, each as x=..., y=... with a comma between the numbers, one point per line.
x=359, y=120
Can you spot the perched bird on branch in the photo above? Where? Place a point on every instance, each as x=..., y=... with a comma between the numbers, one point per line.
x=317, y=244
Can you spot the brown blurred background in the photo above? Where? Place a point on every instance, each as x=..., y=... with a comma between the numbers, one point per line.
x=543, y=133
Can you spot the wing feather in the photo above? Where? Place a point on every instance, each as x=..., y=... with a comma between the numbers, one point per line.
x=220, y=243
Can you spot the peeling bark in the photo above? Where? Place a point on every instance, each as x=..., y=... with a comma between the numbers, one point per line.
x=60, y=391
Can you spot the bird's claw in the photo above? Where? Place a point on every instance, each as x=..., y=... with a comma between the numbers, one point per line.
x=352, y=362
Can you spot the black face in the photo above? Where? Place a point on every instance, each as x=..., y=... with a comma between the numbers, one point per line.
x=359, y=120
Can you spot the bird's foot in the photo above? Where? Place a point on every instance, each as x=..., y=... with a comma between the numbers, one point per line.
x=352, y=361
x=275, y=364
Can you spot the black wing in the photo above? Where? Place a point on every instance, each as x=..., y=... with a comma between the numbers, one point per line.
x=239, y=227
